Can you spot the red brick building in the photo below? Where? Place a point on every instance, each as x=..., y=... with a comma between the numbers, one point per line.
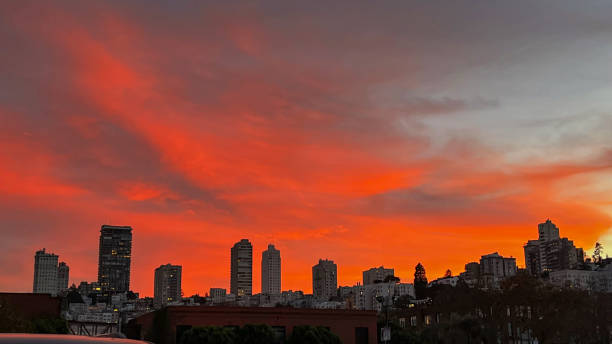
x=32, y=305
x=353, y=327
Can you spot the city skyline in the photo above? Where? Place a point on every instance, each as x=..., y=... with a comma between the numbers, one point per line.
x=547, y=232
x=405, y=132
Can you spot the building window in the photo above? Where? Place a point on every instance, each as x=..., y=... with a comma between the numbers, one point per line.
x=428, y=320
x=413, y=320
x=402, y=322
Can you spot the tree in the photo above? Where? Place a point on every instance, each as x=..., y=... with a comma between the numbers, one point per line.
x=255, y=334
x=420, y=281
x=10, y=321
x=208, y=335
x=448, y=273
x=312, y=335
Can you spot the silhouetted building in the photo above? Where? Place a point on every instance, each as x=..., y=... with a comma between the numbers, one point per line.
x=115, y=256
x=63, y=276
x=87, y=289
x=167, y=287
x=241, y=282
x=547, y=231
x=271, y=271
x=376, y=274
x=532, y=257
x=550, y=252
x=45, y=273
x=494, y=268
x=351, y=326
x=217, y=295
x=31, y=305
x=324, y=279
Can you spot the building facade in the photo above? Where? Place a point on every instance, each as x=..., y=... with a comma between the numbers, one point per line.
x=351, y=326
x=45, y=273
x=271, y=271
x=550, y=252
x=494, y=268
x=63, y=276
x=114, y=259
x=241, y=281
x=324, y=279
x=217, y=295
x=376, y=274
x=167, y=288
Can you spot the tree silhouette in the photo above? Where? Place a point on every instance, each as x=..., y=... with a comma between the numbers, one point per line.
x=420, y=281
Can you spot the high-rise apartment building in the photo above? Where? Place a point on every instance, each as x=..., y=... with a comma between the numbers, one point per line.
x=324, y=279
x=550, y=252
x=547, y=231
x=376, y=274
x=241, y=281
x=114, y=259
x=63, y=276
x=45, y=273
x=167, y=286
x=271, y=271
x=494, y=268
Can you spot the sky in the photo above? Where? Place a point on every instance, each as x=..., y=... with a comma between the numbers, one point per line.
x=385, y=133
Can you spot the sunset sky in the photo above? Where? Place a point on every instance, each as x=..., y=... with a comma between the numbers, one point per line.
x=370, y=133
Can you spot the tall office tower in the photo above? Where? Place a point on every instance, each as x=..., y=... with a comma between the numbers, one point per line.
x=241, y=282
x=45, y=272
x=114, y=258
x=63, y=274
x=271, y=271
x=376, y=274
x=167, y=286
x=324, y=279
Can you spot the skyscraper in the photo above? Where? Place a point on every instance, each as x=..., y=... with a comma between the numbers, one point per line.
x=167, y=286
x=376, y=274
x=271, y=271
x=45, y=272
x=241, y=282
x=63, y=275
x=114, y=258
x=324, y=279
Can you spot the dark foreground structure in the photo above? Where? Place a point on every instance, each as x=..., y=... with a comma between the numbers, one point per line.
x=167, y=325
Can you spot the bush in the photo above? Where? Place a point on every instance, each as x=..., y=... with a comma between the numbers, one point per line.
x=312, y=335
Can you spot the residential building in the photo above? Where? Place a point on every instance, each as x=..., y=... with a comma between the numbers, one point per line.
x=114, y=259
x=550, y=252
x=63, y=276
x=45, y=273
x=494, y=268
x=365, y=296
x=447, y=280
x=167, y=288
x=376, y=275
x=217, y=295
x=271, y=271
x=241, y=281
x=324, y=279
